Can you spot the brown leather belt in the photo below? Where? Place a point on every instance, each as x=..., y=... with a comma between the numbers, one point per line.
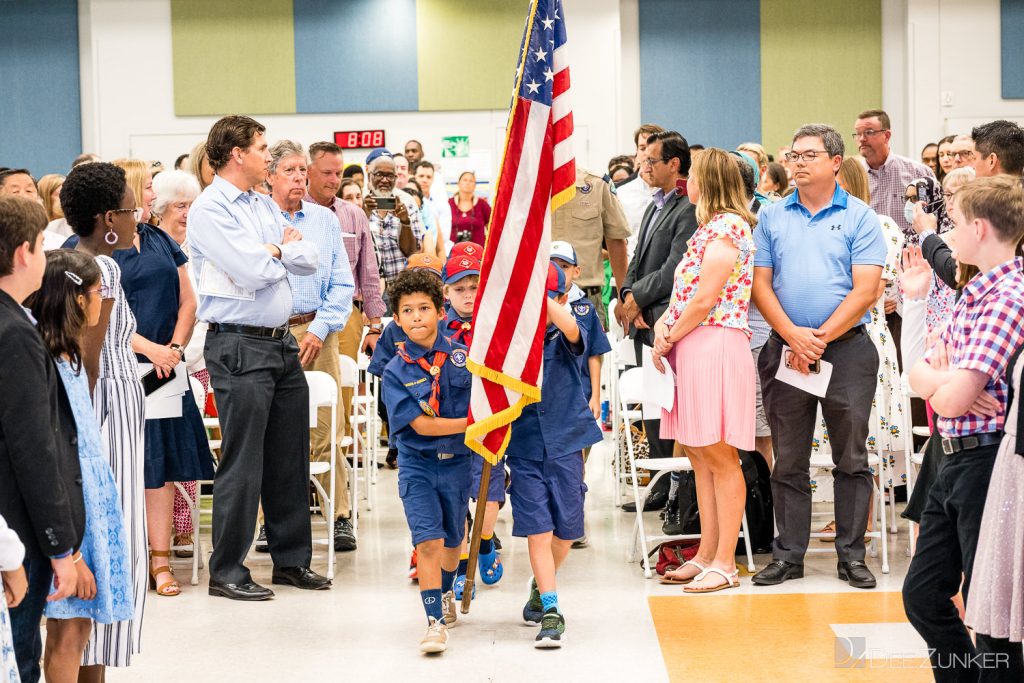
x=301, y=319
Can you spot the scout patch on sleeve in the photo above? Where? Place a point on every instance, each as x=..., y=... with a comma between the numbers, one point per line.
x=582, y=308
x=458, y=358
x=427, y=410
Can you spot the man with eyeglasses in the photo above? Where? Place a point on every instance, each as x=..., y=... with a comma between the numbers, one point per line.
x=668, y=223
x=888, y=173
x=817, y=271
x=635, y=194
x=998, y=149
x=962, y=150
x=398, y=231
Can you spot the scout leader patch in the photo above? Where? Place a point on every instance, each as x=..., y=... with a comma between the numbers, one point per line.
x=582, y=308
x=585, y=188
x=459, y=358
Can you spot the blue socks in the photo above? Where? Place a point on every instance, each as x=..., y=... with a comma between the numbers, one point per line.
x=432, y=603
x=447, y=580
x=549, y=600
x=487, y=545
x=463, y=562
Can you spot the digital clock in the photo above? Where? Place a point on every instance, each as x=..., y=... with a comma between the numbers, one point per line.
x=359, y=139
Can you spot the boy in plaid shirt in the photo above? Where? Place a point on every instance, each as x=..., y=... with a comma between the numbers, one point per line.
x=964, y=378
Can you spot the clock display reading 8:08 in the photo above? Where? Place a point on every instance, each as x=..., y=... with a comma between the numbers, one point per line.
x=359, y=139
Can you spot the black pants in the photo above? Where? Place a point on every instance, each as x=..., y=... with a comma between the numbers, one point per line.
x=28, y=642
x=846, y=409
x=660, y=448
x=950, y=524
x=263, y=401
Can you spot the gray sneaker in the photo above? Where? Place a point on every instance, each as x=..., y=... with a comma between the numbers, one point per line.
x=435, y=640
x=552, y=628
x=450, y=608
x=533, y=612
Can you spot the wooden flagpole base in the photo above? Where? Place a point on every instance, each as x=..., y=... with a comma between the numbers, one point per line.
x=474, y=539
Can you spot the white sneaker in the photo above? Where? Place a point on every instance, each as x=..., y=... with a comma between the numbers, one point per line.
x=450, y=608
x=435, y=640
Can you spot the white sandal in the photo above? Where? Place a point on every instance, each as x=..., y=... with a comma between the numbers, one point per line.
x=730, y=583
x=668, y=580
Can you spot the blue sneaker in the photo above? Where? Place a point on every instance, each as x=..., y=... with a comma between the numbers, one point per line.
x=533, y=612
x=552, y=628
x=460, y=587
x=491, y=568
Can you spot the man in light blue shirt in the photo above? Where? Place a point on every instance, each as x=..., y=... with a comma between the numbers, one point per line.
x=322, y=303
x=817, y=271
x=243, y=251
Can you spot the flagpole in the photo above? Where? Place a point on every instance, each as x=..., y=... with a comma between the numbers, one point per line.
x=474, y=542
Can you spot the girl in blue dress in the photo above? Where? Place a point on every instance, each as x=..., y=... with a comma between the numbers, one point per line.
x=68, y=302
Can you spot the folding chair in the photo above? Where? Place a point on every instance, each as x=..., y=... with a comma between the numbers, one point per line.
x=631, y=391
x=358, y=441
x=821, y=462
x=323, y=393
x=623, y=356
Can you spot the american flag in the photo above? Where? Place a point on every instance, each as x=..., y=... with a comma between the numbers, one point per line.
x=538, y=174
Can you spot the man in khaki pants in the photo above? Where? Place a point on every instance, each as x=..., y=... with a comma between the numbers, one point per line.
x=322, y=304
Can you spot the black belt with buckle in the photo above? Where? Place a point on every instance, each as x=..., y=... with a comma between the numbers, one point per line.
x=969, y=443
x=251, y=330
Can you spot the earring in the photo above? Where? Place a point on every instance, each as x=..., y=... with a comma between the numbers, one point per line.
x=111, y=237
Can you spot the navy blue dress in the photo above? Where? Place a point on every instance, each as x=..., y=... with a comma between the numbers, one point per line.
x=176, y=447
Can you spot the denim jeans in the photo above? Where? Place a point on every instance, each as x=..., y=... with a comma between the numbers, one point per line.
x=25, y=618
x=946, y=545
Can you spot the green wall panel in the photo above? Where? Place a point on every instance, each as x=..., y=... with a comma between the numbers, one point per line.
x=821, y=62
x=468, y=51
x=233, y=57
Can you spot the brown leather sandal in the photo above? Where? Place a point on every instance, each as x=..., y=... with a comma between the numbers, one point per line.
x=168, y=589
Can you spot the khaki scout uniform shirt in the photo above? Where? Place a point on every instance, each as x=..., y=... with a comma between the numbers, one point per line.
x=592, y=215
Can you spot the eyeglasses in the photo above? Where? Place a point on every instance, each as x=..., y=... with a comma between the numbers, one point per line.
x=867, y=134
x=137, y=212
x=105, y=291
x=649, y=162
x=807, y=157
x=966, y=154
x=380, y=175
x=946, y=155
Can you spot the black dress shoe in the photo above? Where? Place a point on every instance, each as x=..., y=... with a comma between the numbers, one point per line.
x=777, y=572
x=249, y=591
x=261, y=540
x=344, y=536
x=856, y=574
x=301, y=577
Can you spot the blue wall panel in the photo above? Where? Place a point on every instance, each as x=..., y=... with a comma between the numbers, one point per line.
x=355, y=56
x=40, y=108
x=1011, y=29
x=700, y=69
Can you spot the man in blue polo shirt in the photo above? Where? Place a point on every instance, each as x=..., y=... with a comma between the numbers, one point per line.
x=817, y=271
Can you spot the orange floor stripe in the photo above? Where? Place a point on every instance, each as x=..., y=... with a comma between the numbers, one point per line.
x=772, y=637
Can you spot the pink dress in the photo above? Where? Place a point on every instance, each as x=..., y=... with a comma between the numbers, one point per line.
x=715, y=390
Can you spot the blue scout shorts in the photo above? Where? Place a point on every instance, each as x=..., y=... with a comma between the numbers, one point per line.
x=547, y=495
x=496, y=484
x=434, y=493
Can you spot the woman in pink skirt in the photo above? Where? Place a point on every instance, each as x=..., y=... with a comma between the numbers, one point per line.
x=704, y=335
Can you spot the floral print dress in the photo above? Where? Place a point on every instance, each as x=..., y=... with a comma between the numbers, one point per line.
x=885, y=435
x=734, y=302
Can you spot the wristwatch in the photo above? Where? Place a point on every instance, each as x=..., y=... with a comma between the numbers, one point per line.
x=180, y=350
x=376, y=328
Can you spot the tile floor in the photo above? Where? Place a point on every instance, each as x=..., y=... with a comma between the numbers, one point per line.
x=621, y=627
